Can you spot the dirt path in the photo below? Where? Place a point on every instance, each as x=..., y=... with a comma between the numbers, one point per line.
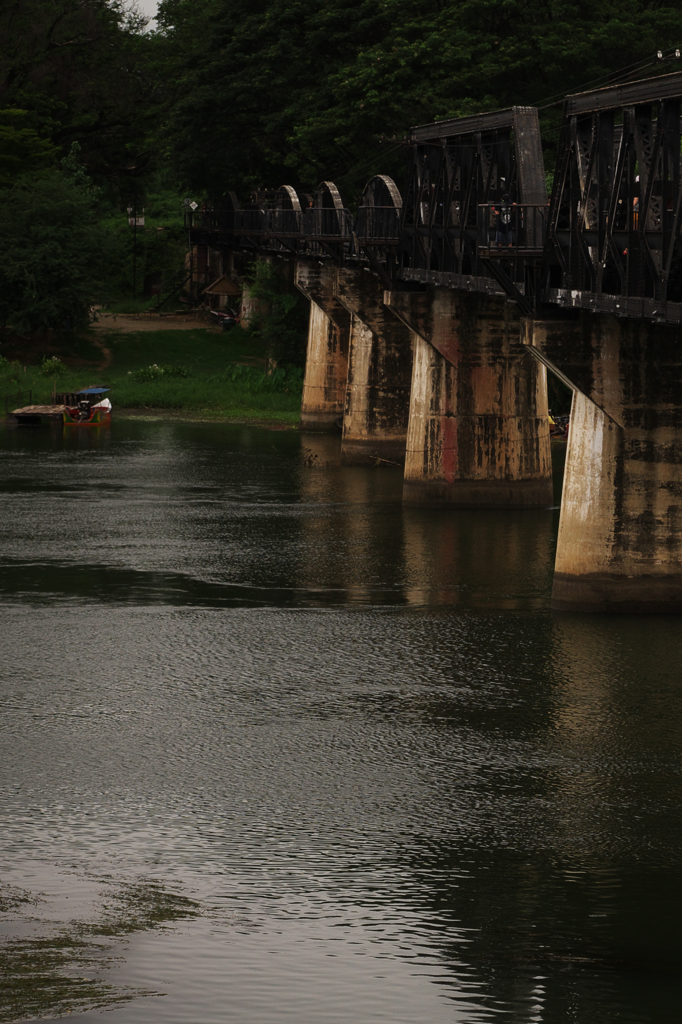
x=131, y=323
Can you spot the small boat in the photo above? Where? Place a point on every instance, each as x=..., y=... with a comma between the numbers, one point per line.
x=87, y=408
x=559, y=427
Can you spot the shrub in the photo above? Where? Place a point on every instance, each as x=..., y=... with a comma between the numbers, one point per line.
x=286, y=380
x=154, y=372
x=52, y=367
x=7, y=367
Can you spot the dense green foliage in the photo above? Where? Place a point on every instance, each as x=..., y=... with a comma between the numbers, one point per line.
x=79, y=71
x=282, y=323
x=21, y=148
x=286, y=90
x=51, y=250
x=249, y=93
x=156, y=249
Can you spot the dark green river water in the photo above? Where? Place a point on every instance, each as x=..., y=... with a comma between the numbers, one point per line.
x=276, y=749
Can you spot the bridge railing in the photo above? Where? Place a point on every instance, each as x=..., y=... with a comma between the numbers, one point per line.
x=323, y=224
x=378, y=225
x=251, y=222
x=311, y=226
x=505, y=229
x=212, y=219
x=286, y=223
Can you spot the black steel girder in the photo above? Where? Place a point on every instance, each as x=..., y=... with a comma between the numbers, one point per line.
x=613, y=239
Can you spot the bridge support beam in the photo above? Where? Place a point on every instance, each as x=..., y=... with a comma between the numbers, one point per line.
x=379, y=373
x=478, y=433
x=326, y=368
x=620, y=534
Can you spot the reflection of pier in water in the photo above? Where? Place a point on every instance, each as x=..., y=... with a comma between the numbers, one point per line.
x=345, y=533
x=483, y=559
x=477, y=559
x=552, y=781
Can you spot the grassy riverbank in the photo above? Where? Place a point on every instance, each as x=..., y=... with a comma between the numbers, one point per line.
x=198, y=371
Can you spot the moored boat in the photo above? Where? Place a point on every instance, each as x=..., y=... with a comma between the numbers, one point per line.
x=559, y=427
x=87, y=407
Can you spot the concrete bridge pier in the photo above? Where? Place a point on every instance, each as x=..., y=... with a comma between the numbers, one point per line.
x=379, y=373
x=478, y=434
x=619, y=547
x=326, y=367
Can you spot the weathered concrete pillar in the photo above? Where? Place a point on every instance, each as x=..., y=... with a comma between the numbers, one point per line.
x=326, y=367
x=478, y=433
x=379, y=373
x=620, y=533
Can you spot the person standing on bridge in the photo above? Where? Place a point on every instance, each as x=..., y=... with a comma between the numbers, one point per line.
x=503, y=222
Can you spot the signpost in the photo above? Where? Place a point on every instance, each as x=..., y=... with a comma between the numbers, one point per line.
x=134, y=221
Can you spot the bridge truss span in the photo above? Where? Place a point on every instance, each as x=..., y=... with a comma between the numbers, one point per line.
x=463, y=176
x=613, y=239
x=474, y=213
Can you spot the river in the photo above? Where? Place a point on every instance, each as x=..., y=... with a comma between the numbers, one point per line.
x=276, y=749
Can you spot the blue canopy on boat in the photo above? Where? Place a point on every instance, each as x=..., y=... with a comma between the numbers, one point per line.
x=91, y=391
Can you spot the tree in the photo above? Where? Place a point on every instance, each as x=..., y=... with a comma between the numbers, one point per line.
x=282, y=321
x=81, y=70
x=51, y=250
x=22, y=150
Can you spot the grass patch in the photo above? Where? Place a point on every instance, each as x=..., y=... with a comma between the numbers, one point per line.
x=202, y=351
x=200, y=371
x=143, y=906
x=121, y=307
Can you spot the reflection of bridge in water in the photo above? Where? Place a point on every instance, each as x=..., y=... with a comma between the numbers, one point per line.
x=435, y=314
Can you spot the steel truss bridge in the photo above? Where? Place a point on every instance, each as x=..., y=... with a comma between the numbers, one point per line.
x=608, y=239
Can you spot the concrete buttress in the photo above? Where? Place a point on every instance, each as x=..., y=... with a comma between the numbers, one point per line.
x=379, y=373
x=326, y=368
x=620, y=533
x=478, y=433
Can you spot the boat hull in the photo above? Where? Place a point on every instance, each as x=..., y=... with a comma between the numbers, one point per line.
x=97, y=418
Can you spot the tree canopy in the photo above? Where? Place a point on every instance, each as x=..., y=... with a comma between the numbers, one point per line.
x=287, y=90
x=78, y=71
x=74, y=72
x=51, y=250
